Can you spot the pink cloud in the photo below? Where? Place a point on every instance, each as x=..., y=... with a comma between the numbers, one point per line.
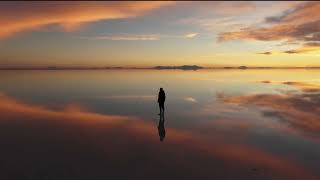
x=299, y=24
x=28, y=16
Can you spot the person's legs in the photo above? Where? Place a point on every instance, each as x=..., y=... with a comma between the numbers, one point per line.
x=159, y=108
x=162, y=107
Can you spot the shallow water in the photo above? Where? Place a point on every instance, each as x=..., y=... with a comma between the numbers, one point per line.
x=95, y=124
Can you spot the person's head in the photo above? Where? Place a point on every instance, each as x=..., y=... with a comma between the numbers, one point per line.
x=161, y=89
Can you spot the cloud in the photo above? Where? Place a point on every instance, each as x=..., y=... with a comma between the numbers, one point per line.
x=190, y=99
x=304, y=12
x=300, y=110
x=219, y=24
x=127, y=37
x=71, y=112
x=276, y=32
x=227, y=8
x=190, y=35
x=266, y=81
x=141, y=37
x=302, y=86
x=305, y=87
x=313, y=37
x=299, y=24
x=305, y=48
x=132, y=97
x=79, y=140
x=265, y=53
x=297, y=51
x=28, y=16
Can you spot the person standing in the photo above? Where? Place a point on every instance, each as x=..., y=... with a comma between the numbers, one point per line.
x=161, y=99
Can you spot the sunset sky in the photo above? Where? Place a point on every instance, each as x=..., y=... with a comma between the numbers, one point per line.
x=143, y=34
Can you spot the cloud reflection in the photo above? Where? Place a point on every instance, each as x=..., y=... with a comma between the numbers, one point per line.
x=300, y=110
x=74, y=143
x=190, y=99
x=132, y=97
x=305, y=87
x=302, y=86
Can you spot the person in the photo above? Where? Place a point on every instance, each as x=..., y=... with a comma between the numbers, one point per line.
x=161, y=99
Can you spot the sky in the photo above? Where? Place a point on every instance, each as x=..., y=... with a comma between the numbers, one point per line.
x=144, y=34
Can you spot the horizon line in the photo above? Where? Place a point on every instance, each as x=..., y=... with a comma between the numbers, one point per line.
x=159, y=67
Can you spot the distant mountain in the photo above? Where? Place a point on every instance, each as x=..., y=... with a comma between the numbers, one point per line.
x=243, y=67
x=184, y=67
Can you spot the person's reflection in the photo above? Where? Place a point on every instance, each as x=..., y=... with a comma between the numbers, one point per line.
x=161, y=129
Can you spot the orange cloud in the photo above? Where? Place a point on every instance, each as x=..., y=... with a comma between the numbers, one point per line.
x=142, y=37
x=129, y=38
x=9, y=106
x=300, y=24
x=301, y=111
x=225, y=8
x=15, y=18
x=300, y=14
x=277, y=32
x=301, y=21
x=307, y=47
x=305, y=87
x=132, y=97
x=109, y=140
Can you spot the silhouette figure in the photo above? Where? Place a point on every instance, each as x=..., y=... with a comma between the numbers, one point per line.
x=161, y=129
x=161, y=99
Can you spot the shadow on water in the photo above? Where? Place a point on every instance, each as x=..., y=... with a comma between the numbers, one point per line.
x=161, y=128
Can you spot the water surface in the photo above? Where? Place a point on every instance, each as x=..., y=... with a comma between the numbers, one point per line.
x=98, y=124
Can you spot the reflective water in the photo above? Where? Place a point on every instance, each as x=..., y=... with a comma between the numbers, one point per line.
x=224, y=124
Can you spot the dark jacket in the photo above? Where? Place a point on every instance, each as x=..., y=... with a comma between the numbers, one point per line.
x=161, y=97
